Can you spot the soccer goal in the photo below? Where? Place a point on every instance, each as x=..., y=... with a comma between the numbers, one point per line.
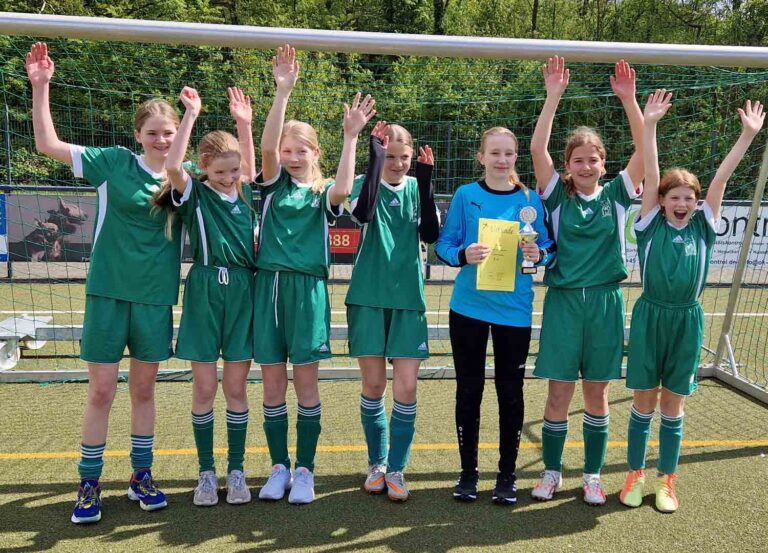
x=445, y=90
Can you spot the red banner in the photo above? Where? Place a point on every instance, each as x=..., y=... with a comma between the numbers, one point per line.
x=344, y=240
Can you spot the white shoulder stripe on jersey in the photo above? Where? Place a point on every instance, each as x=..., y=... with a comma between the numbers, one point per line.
x=339, y=208
x=643, y=223
x=621, y=224
x=76, y=152
x=101, y=192
x=632, y=192
x=203, y=239
x=556, y=222
x=709, y=215
x=645, y=260
x=702, y=266
x=274, y=179
x=185, y=195
x=550, y=185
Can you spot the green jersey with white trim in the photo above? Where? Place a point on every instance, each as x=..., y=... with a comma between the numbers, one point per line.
x=294, y=221
x=589, y=232
x=131, y=258
x=674, y=262
x=220, y=227
x=388, y=271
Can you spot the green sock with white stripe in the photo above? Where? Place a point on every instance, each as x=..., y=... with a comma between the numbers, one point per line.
x=639, y=429
x=237, y=430
x=374, y=419
x=670, y=441
x=141, y=452
x=552, y=443
x=276, y=430
x=307, y=434
x=595, y=429
x=401, y=433
x=202, y=428
x=91, y=461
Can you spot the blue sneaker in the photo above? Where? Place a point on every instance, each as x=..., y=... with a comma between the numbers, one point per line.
x=88, y=504
x=142, y=489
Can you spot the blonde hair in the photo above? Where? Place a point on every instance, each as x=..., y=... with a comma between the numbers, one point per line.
x=306, y=134
x=679, y=177
x=581, y=136
x=213, y=145
x=154, y=107
x=514, y=179
x=397, y=133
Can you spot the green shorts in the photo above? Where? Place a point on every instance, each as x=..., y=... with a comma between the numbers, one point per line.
x=217, y=316
x=110, y=325
x=665, y=346
x=291, y=318
x=582, y=334
x=382, y=332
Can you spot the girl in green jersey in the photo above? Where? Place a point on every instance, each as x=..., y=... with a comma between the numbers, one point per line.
x=133, y=281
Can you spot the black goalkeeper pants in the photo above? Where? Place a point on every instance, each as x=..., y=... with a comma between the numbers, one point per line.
x=469, y=341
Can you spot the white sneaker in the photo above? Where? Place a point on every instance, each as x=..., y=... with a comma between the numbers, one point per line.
x=374, y=482
x=593, y=490
x=277, y=483
x=551, y=482
x=207, y=490
x=303, y=490
x=237, y=488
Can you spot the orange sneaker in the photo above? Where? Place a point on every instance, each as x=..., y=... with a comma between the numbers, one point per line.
x=631, y=493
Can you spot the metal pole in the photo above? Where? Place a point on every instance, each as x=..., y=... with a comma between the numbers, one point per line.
x=243, y=36
x=738, y=275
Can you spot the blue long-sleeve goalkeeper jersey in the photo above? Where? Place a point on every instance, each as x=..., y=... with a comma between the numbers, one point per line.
x=470, y=203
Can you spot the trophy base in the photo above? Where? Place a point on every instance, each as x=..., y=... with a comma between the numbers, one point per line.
x=529, y=270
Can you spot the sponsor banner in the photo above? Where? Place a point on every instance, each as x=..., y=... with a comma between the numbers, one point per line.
x=344, y=240
x=3, y=230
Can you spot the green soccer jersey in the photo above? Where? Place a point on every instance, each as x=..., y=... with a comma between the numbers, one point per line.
x=131, y=257
x=388, y=271
x=674, y=262
x=294, y=226
x=220, y=227
x=589, y=232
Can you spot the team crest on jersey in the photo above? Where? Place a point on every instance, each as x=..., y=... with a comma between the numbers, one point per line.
x=606, y=208
x=316, y=201
x=235, y=210
x=394, y=203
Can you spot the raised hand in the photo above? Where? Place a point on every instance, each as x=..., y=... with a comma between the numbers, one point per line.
x=240, y=106
x=191, y=100
x=426, y=156
x=623, y=81
x=556, y=76
x=38, y=65
x=285, y=68
x=657, y=105
x=380, y=131
x=357, y=116
x=752, y=117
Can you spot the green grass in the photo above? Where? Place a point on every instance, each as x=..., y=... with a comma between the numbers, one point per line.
x=723, y=497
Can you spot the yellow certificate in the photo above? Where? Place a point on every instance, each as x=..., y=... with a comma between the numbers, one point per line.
x=498, y=270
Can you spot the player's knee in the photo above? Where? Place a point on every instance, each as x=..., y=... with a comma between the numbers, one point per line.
x=374, y=390
x=143, y=392
x=205, y=391
x=235, y=392
x=101, y=396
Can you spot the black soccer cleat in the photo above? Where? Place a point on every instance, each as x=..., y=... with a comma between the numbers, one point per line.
x=466, y=486
x=505, y=491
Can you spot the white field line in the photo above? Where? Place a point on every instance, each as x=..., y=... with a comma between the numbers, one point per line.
x=333, y=312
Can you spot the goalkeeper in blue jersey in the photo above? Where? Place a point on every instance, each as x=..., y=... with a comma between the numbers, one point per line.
x=133, y=281
x=385, y=301
x=675, y=237
x=498, y=195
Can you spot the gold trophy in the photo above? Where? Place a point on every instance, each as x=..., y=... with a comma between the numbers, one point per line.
x=527, y=234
